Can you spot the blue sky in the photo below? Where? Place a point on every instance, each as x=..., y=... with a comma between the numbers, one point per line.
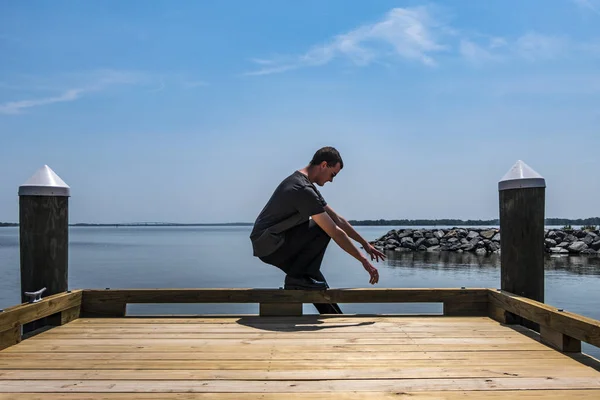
x=193, y=111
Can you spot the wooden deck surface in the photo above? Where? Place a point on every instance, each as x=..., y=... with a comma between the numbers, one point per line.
x=341, y=357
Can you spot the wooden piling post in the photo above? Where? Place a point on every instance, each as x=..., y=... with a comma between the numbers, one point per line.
x=522, y=207
x=44, y=237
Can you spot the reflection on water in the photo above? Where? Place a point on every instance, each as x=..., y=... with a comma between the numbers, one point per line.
x=447, y=260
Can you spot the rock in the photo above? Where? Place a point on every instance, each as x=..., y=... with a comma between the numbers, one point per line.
x=472, y=235
x=577, y=247
x=390, y=247
x=481, y=251
x=461, y=233
x=551, y=235
x=450, y=234
x=406, y=239
x=420, y=242
x=580, y=234
x=402, y=249
x=480, y=244
x=417, y=234
x=496, y=237
x=559, y=250
x=439, y=234
x=560, y=235
x=464, y=241
x=588, y=239
x=493, y=246
x=409, y=245
x=434, y=248
x=459, y=251
x=550, y=243
x=404, y=234
x=589, y=252
x=428, y=235
x=595, y=245
x=571, y=238
x=393, y=242
x=563, y=244
x=488, y=234
x=452, y=241
x=432, y=242
x=422, y=248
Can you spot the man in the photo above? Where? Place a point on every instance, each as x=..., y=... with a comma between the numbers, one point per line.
x=295, y=226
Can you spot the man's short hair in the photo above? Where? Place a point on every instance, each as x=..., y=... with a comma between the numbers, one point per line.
x=329, y=154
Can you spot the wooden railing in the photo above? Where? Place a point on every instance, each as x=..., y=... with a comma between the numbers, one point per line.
x=61, y=308
x=560, y=329
x=112, y=302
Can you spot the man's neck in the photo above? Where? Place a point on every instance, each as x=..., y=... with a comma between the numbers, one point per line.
x=308, y=171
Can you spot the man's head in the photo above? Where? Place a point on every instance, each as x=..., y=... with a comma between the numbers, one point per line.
x=325, y=165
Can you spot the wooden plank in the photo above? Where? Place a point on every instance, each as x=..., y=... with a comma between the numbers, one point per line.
x=533, y=356
x=559, y=341
x=30, y=346
x=280, y=309
x=273, y=364
x=237, y=386
x=421, y=320
x=384, y=295
x=455, y=308
x=570, y=324
x=305, y=374
x=390, y=395
x=100, y=307
x=334, y=334
x=10, y=337
x=277, y=341
x=28, y=312
x=70, y=314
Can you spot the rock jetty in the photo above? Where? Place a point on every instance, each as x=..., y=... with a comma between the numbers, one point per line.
x=483, y=241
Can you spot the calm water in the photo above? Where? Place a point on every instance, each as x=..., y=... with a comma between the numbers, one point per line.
x=200, y=257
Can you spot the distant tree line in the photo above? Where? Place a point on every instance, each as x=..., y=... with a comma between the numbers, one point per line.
x=426, y=222
x=469, y=222
x=388, y=222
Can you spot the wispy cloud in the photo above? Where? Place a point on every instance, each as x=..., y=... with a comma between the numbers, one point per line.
x=531, y=46
x=408, y=33
x=478, y=54
x=589, y=5
x=534, y=46
x=81, y=84
x=15, y=107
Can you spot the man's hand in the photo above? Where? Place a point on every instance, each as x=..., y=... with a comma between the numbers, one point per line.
x=372, y=271
x=374, y=253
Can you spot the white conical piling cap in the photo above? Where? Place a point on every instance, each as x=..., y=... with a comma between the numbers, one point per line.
x=520, y=176
x=45, y=182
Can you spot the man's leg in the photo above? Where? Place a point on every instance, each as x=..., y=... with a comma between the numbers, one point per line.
x=302, y=255
x=326, y=308
x=302, y=251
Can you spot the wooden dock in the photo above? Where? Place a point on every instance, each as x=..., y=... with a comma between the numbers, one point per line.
x=470, y=352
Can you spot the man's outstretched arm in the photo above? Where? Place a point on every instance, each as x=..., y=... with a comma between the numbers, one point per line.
x=341, y=238
x=351, y=232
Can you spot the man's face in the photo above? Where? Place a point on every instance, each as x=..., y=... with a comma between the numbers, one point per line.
x=326, y=173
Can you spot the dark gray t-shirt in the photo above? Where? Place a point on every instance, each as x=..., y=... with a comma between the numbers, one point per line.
x=292, y=203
